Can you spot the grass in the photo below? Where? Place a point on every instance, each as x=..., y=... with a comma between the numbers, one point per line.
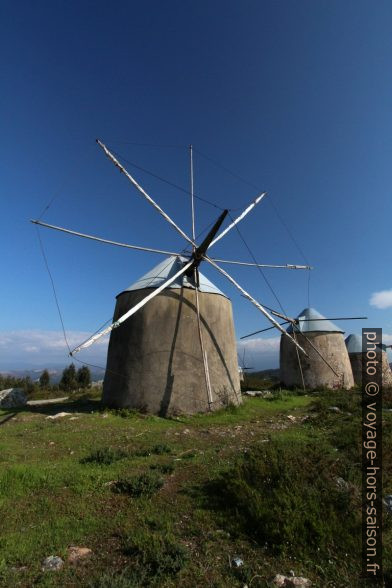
x=195, y=492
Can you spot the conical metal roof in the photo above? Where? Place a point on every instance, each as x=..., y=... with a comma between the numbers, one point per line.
x=354, y=344
x=309, y=322
x=167, y=268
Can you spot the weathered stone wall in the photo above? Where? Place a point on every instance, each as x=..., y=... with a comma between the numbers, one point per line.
x=316, y=372
x=356, y=364
x=154, y=358
x=386, y=371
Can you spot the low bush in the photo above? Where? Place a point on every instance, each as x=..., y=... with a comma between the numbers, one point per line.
x=164, y=468
x=155, y=559
x=125, y=413
x=159, y=449
x=104, y=456
x=160, y=555
x=285, y=495
x=143, y=485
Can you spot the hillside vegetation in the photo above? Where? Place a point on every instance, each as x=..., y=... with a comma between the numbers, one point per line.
x=172, y=502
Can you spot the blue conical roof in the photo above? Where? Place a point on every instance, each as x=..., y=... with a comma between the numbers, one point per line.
x=354, y=344
x=309, y=322
x=167, y=268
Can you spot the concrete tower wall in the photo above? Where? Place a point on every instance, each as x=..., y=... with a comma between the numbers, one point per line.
x=386, y=371
x=154, y=358
x=316, y=373
x=356, y=364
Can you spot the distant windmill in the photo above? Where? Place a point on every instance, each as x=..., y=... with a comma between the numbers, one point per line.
x=327, y=364
x=354, y=348
x=173, y=329
x=243, y=368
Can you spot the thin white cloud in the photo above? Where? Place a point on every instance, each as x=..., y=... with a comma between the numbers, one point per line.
x=382, y=299
x=387, y=339
x=261, y=345
x=259, y=353
x=46, y=347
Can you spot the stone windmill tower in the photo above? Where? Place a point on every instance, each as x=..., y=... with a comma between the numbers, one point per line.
x=327, y=364
x=155, y=361
x=354, y=348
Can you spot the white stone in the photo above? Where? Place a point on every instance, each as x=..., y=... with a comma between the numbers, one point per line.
x=290, y=582
x=59, y=415
x=53, y=563
x=75, y=554
x=279, y=580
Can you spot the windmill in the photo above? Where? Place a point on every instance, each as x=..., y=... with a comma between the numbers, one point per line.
x=354, y=348
x=327, y=365
x=183, y=274
x=243, y=368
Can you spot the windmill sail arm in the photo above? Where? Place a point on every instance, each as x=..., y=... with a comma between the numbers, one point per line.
x=286, y=266
x=143, y=192
x=101, y=240
x=239, y=218
x=132, y=311
x=261, y=331
x=253, y=301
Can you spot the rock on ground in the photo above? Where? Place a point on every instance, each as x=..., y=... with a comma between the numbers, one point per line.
x=75, y=554
x=291, y=581
x=53, y=563
x=12, y=398
x=59, y=415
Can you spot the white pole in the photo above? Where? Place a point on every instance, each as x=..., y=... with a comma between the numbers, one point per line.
x=144, y=193
x=125, y=316
x=192, y=196
x=286, y=266
x=196, y=280
x=202, y=348
x=85, y=236
x=239, y=218
x=209, y=390
x=253, y=301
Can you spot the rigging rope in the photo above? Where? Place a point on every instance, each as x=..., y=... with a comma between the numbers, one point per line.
x=260, y=269
x=82, y=362
x=274, y=207
x=79, y=166
x=161, y=179
x=53, y=287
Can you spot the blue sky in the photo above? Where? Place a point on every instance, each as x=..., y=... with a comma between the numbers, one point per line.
x=293, y=97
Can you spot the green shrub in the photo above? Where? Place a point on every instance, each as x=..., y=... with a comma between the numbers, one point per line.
x=154, y=559
x=160, y=555
x=164, y=468
x=143, y=485
x=104, y=456
x=285, y=495
x=129, y=578
x=159, y=449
